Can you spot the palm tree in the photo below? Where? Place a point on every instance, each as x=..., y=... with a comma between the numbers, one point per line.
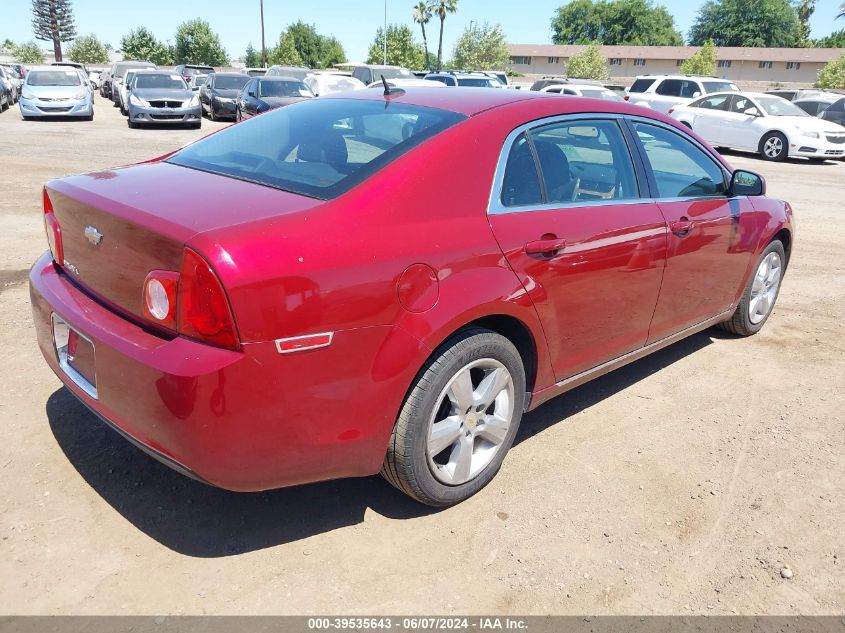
x=422, y=14
x=841, y=13
x=442, y=8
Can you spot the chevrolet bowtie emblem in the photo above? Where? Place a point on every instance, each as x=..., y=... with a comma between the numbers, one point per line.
x=93, y=235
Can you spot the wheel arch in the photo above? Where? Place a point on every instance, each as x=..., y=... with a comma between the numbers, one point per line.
x=784, y=236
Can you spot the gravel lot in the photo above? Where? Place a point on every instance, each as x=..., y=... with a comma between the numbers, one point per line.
x=683, y=483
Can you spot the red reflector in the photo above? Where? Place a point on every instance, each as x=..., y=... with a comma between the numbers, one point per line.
x=671, y=110
x=302, y=343
x=626, y=97
x=204, y=311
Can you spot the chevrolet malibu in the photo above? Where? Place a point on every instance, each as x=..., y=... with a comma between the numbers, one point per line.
x=387, y=282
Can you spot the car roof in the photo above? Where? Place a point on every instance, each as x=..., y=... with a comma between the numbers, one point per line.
x=230, y=74
x=471, y=101
x=278, y=78
x=578, y=86
x=822, y=98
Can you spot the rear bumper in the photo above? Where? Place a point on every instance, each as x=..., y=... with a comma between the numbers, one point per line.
x=242, y=420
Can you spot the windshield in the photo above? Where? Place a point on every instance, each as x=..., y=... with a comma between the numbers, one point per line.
x=162, y=82
x=230, y=83
x=473, y=82
x=775, y=106
x=270, y=88
x=338, y=83
x=53, y=78
x=602, y=94
x=121, y=69
x=719, y=86
x=392, y=73
x=256, y=72
x=319, y=148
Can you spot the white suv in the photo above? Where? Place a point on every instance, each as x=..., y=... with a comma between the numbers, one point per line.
x=662, y=92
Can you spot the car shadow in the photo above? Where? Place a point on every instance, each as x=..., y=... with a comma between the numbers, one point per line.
x=830, y=162
x=199, y=520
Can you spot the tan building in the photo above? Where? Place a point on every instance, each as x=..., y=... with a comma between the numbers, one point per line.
x=745, y=65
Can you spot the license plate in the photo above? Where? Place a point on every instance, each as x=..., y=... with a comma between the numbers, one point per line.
x=76, y=356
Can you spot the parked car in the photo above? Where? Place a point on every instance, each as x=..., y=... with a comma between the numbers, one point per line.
x=94, y=78
x=662, y=92
x=54, y=91
x=161, y=97
x=770, y=126
x=76, y=65
x=297, y=72
x=21, y=70
x=369, y=73
x=453, y=78
x=187, y=71
x=835, y=112
x=8, y=90
x=254, y=72
x=330, y=83
x=123, y=93
x=16, y=80
x=219, y=95
x=795, y=95
x=197, y=81
x=105, y=83
x=268, y=93
x=583, y=90
x=288, y=300
x=118, y=74
x=549, y=80
x=403, y=83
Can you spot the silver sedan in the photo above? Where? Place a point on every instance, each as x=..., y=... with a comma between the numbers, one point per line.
x=54, y=91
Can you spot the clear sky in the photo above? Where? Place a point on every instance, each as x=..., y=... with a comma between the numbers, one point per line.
x=354, y=23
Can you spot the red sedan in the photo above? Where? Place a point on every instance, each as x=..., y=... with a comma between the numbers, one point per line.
x=387, y=283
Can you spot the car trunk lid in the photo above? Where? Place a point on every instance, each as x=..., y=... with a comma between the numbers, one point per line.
x=118, y=225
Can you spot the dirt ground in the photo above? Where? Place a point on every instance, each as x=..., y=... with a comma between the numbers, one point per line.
x=683, y=483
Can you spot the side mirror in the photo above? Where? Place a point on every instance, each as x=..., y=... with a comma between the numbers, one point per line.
x=747, y=183
x=696, y=94
x=128, y=88
x=752, y=112
x=251, y=93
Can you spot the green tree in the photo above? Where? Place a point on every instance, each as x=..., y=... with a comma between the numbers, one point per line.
x=481, y=47
x=766, y=23
x=252, y=58
x=832, y=75
x=8, y=45
x=88, y=50
x=402, y=50
x=29, y=53
x=332, y=53
x=615, y=22
x=52, y=21
x=314, y=50
x=285, y=53
x=701, y=63
x=442, y=8
x=834, y=40
x=422, y=16
x=805, y=9
x=142, y=45
x=196, y=43
x=590, y=64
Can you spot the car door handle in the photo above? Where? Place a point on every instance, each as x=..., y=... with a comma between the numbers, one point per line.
x=681, y=227
x=545, y=246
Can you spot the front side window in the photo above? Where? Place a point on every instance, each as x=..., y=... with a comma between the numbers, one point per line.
x=320, y=148
x=680, y=168
x=719, y=102
x=742, y=105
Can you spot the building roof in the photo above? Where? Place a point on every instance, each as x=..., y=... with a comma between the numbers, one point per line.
x=819, y=55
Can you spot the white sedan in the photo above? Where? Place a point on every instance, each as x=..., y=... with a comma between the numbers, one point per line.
x=769, y=125
x=592, y=91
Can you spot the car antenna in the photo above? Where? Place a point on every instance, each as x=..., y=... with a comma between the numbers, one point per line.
x=391, y=92
x=386, y=86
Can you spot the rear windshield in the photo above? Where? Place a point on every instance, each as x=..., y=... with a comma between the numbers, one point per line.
x=53, y=78
x=641, y=85
x=319, y=148
x=120, y=69
x=472, y=82
x=392, y=73
x=257, y=73
x=270, y=88
x=230, y=83
x=163, y=82
x=602, y=94
x=197, y=70
x=719, y=86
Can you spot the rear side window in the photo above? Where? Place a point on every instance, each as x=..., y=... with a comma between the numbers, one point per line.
x=320, y=148
x=584, y=160
x=521, y=184
x=680, y=168
x=641, y=85
x=719, y=102
x=678, y=88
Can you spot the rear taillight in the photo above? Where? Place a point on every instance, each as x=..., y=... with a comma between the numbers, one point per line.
x=53, y=230
x=160, y=293
x=203, y=310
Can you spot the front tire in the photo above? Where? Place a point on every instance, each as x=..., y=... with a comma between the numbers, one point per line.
x=774, y=147
x=459, y=419
x=760, y=294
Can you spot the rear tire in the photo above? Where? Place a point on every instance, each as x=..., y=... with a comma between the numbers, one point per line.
x=760, y=294
x=774, y=147
x=459, y=419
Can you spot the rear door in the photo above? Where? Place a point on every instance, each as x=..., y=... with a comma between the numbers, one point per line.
x=710, y=235
x=710, y=114
x=568, y=213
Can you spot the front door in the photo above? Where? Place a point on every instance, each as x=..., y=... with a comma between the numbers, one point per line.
x=588, y=249
x=707, y=254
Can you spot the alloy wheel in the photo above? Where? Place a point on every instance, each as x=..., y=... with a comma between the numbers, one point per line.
x=470, y=421
x=764, y=288
x=773, y=147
